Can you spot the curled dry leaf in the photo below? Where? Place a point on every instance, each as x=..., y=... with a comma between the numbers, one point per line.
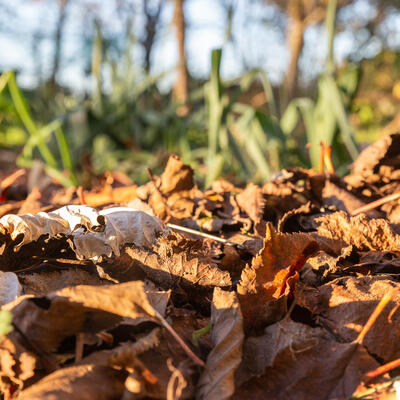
x=217, y=380
x=344, y=306
x=360, y=231
x=171, y=196
x=93, y=234
x=272, y=272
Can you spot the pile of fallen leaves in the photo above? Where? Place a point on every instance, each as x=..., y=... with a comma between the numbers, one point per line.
x=284, y=291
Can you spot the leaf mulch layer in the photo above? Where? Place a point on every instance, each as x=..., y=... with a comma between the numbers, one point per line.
x=164, y=291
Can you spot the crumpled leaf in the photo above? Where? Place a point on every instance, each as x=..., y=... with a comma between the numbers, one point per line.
x=286, y=364
x=10, y=288
x=272, y=273
x=171, y=196
x=345, y=304
x=217, y=381
x=360, y=231
x=93, y=234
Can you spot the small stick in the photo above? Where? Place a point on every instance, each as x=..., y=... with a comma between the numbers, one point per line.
x=202, y=234
x=379, y=308
x=9, y=180
x=374, y=204
x=381, y=370
x=184, y=346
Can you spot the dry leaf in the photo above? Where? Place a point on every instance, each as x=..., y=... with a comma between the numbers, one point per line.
x=252, y=202
x=176, y=177
x=217, y=380
x=360, y=231
x=291, y=353
x=48, y=320
x=344, y=306
x=93, y=234
x=271, y=273
x=176, y=259
x=87, y=381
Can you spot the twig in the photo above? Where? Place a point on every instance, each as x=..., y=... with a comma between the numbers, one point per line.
x=381, y=370
x=184, y=346
x=379, y=308
x=9, y=180
x=374, y=204
x=202, y=234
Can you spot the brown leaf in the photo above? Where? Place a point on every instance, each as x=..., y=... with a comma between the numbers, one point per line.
x=359, y=231
x=86, y=381
x=177, y=259
x=272, y=272
x=217, y=381
x=287, y=361
x=44, y=322
x=176, y=177
x=333, y=195
x=252, y=202
x=344, y=306
x=108, y=194
x=383, y=151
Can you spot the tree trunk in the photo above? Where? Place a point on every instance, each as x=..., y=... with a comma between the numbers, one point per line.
x=295, y=42
x=58, y=41
x=180, y=90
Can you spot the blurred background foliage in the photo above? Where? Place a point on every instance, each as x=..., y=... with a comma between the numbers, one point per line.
x=117, y=85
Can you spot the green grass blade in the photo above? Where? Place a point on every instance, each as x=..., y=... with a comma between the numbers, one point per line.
x=65, y=154
x=22, y=110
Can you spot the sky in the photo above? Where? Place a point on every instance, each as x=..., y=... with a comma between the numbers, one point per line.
x=259, y=44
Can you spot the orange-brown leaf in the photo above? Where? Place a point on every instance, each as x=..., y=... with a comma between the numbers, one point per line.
x=274, y=271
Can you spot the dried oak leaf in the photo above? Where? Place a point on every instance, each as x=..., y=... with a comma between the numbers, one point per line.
x=267, y=282
x=344, y=306
x=360, y=231
x=285, y=363
x=217, y=380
